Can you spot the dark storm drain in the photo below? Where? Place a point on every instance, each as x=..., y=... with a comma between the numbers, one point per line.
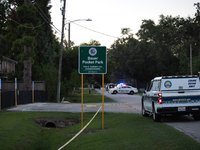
x=50, y=125
x=55, y=123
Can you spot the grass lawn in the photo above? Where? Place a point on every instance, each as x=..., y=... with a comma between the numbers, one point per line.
x=94, y=97
x=18, y=131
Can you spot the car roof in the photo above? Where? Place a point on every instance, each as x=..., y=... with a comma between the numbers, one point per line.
x=175, y=76
x=111, y=83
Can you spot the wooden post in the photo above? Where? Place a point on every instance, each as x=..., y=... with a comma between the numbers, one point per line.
x=15, y=91
x=32, y=91
x=0, y=98
x=0, y=94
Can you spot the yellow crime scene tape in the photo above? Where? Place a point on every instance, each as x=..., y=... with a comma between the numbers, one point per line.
x=79, y=131
x=91, y=120
x=110, y=104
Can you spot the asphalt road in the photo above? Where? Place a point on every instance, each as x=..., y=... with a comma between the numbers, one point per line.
x=124, y=104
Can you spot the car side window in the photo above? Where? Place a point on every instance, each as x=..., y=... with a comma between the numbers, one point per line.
x=156, y=86
x=149, y=86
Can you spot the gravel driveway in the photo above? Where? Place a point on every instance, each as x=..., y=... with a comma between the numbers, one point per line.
x=130, y=105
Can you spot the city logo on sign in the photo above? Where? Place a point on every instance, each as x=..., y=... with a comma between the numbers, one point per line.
x=92, y=51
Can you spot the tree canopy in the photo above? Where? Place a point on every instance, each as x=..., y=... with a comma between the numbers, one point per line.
x=160, y=49
x=156, y=49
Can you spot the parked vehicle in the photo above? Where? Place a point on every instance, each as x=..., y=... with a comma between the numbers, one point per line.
x=110, y=85
x=172, y=95
x=98, y=86
x=141, y=90
x=123, y=89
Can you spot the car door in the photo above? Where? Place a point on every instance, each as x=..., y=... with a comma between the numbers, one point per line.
x=147, y=100
x=152, y=94
x=125, y=89
x=120, y=90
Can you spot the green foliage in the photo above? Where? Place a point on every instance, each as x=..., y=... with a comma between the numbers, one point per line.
x=21, y=27
x=70, y=75
x=121, y=53
x=162, y=49
x=4, y=48
x=91, y=43
x=26, y=26
x=49, y=74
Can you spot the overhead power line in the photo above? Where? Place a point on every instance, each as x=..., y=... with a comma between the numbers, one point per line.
x=25, y=25
x=96, y=31
x=42, y=14
x=56, y=4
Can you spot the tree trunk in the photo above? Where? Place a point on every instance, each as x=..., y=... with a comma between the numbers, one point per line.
x=27, y=64
x=27, y=70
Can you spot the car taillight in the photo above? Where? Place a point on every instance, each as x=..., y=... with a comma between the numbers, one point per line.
x=159, y=98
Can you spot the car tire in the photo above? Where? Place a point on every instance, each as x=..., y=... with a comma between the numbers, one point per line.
x=156, y=117
x=115, y=92
x=131, y=92
x=144, y=114
x=196, y=117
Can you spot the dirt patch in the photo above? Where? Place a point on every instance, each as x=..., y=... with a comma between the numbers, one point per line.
x=55, y=123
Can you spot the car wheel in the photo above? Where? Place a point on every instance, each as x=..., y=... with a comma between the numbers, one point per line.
x=156, y=117
x=196, y=117
x=144, y=111
x=114, y=92
x=131, y=92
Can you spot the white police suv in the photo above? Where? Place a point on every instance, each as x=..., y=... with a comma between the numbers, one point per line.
x=172, y=95
x=122, y=88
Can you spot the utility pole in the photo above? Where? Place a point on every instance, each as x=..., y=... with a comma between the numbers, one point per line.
x=69, y=36
x=60, y=57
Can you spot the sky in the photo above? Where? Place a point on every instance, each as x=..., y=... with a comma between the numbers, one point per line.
x=110, y=16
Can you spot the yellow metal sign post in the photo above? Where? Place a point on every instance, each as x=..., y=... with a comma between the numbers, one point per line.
x=92, y=60
x=81, y=101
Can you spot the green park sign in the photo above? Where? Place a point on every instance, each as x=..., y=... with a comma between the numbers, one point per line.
x=92, y=60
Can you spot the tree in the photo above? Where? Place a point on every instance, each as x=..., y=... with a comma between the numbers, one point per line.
x=21, y=26
x=162, y=49
x=121, y=52
x=4, y=8
x=91, y=43
x=162, y=38
x=46, y=44
x=46, y=50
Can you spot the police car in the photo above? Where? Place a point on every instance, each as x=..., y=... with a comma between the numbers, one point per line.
x=123, y=88
x=172, y=95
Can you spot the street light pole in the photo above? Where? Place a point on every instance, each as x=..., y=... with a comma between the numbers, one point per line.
x=60, y=57
x=61, y=48
x=69, y=28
